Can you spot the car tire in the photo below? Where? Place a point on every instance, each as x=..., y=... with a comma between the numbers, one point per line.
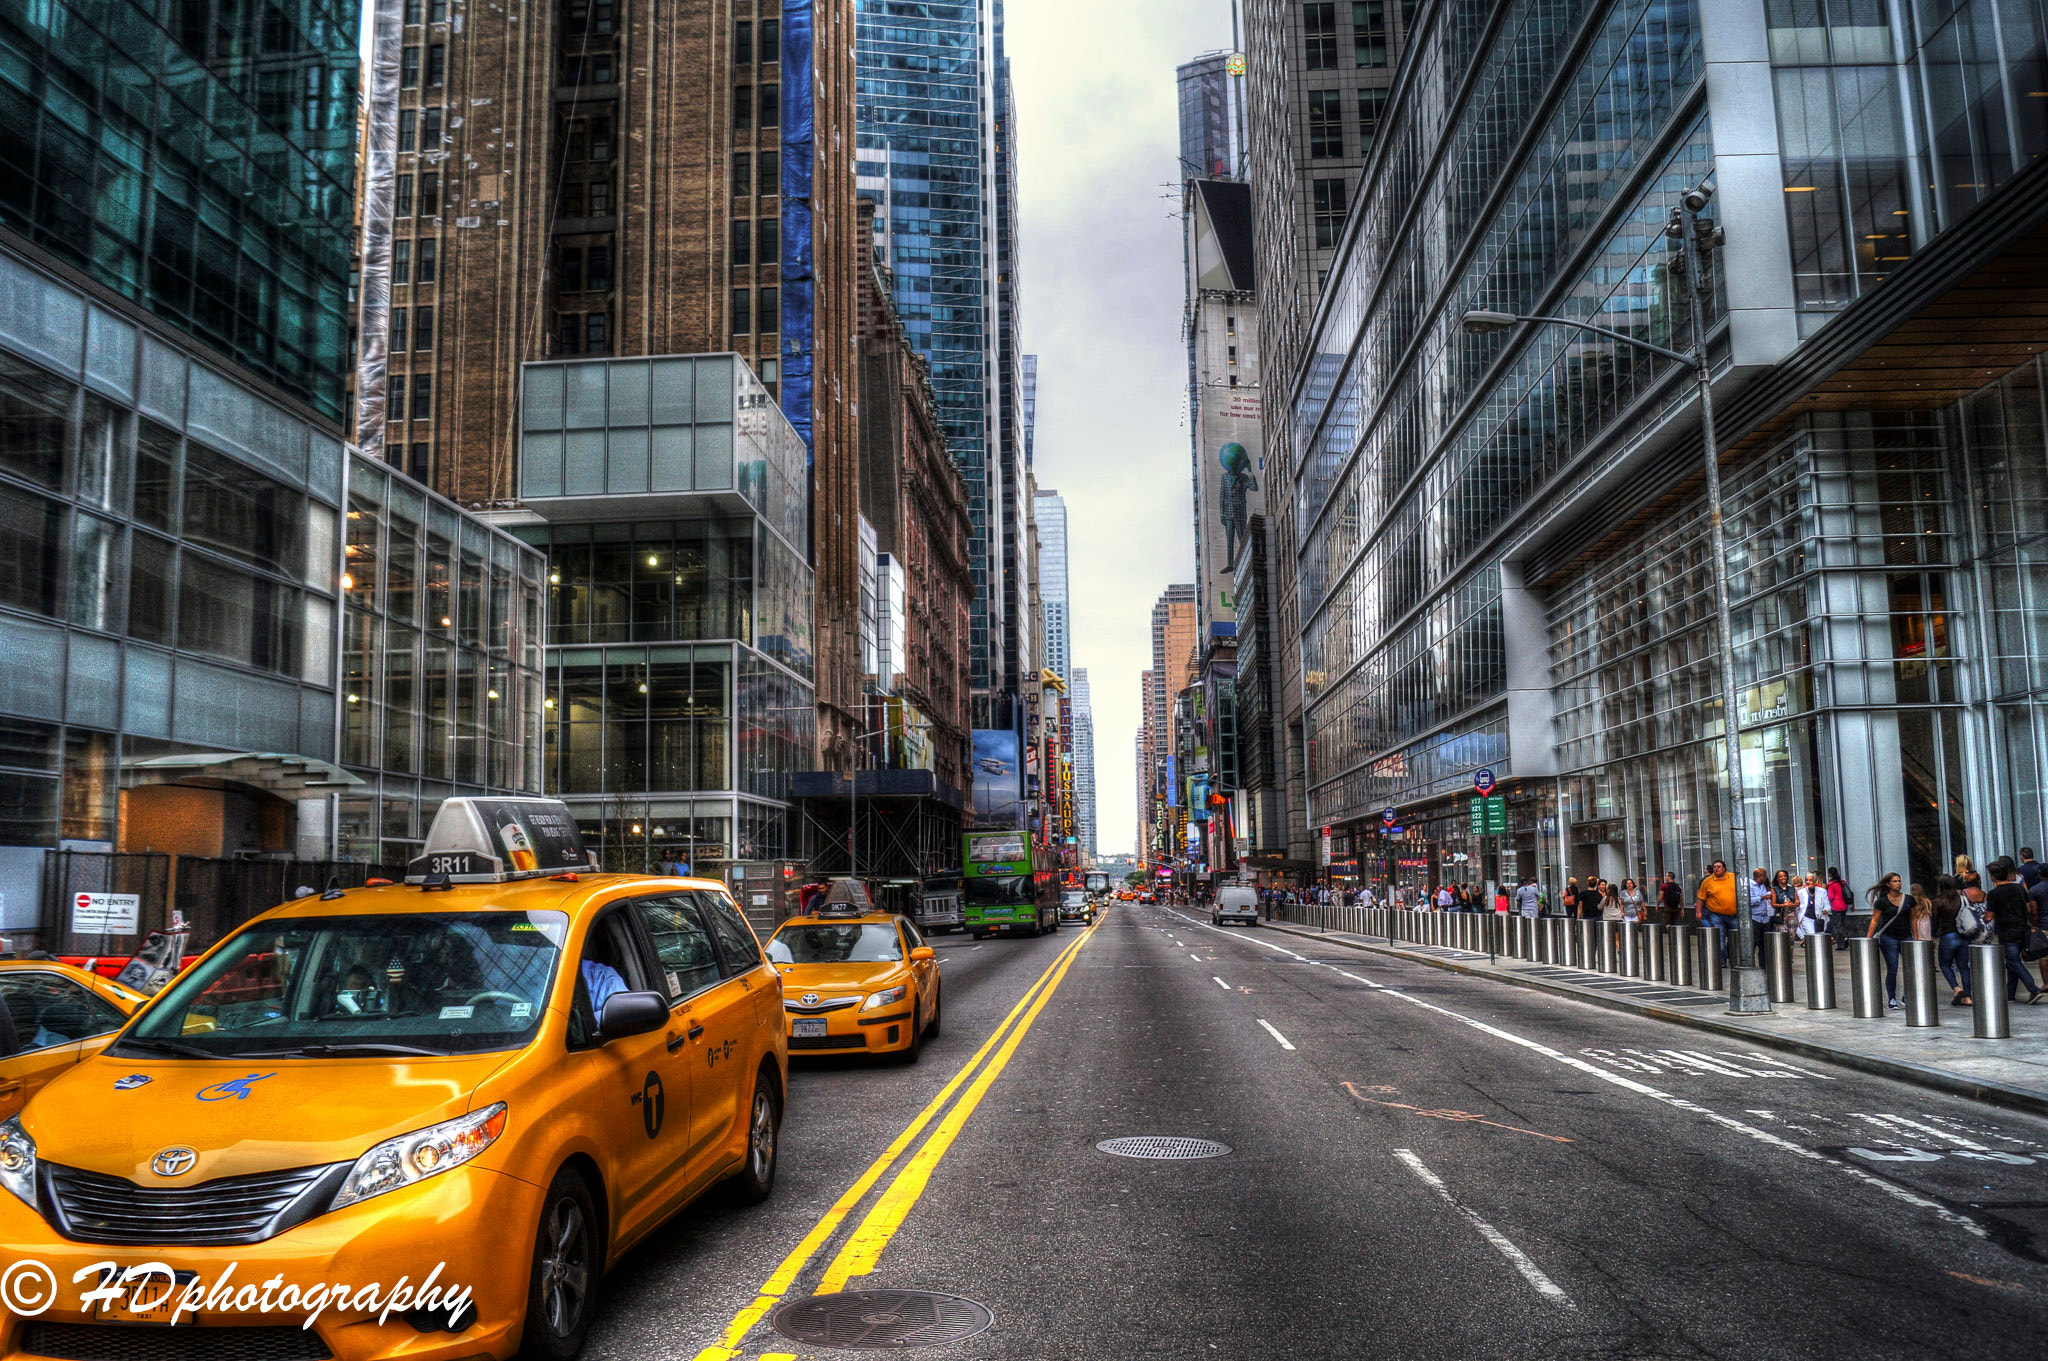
x=561, y=1288
x=931, y=1028
x=755, y=1180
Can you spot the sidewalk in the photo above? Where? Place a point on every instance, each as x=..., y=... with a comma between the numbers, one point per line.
x=1948, y=1058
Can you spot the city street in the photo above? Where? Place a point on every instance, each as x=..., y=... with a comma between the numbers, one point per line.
x=1420, y=1164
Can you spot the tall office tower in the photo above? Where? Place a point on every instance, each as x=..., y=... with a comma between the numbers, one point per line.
x=1220, y=323
x=1021, y=658
x=554, y=196
x=1051, y=514
x=1318, y=75
x=1510, y=527
x=189, y=554
x=927, y=155
x=1083, y=707
x=1209, y=97
x=1146, y=795
x=1174, y=634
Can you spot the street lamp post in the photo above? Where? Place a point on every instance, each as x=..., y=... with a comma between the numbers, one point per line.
x=1690, y=244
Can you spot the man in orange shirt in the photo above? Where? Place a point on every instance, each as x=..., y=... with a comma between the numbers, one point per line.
x=1716, y=901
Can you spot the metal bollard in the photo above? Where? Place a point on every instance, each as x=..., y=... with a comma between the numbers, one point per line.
x=1655, y=942
x=1778, y=966
x=1820, y=972
x=1922, y=1010
x=1713, y=971
x=1866, y=979
x=1991, y=1018
x=1631, y=950
x=1514, y=950
x=1608, y=949
x=1684, y=959
x=1585, y=948
x=1560, y=940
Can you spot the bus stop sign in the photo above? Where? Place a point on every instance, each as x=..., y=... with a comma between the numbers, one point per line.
x=1483, y=781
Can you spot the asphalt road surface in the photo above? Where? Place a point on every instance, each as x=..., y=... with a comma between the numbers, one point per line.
x=1420, y=1165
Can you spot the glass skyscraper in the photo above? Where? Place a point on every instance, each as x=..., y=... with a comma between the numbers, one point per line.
x=197, y=159
x=927, y=155
x=1503, y=554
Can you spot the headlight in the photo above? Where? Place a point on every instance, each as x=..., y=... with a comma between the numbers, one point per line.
x=18, y=1160
x=421, y=1154
x=878, y=1000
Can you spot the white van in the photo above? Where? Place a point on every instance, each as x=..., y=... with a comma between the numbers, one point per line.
x=1235, y=903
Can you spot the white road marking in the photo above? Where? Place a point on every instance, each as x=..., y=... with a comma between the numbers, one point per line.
x=1276, y=1034
x=1784, y=1145
x=1220, y=983
x=1195, y=957
x=1896, y=1122
x=1516, y=1257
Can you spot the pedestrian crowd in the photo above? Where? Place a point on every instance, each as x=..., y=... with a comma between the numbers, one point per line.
x=2009, y=910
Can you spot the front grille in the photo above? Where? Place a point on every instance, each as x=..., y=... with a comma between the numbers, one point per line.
x=92, y=1208
x=140, y=1342
x=823, y=1004
x=828, y=1042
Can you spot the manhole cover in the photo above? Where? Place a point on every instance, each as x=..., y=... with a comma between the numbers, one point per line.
x=881, y=1320
x=1163, y=1146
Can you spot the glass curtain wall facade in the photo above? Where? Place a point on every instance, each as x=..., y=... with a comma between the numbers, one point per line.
x=1416, y=441
x=678, y=666
x=1882, y=562
x=926, y=100
x=167, y=566
x=440, y=652
x=199, y=160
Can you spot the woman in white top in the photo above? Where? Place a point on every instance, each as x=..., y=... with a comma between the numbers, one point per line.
x=1631, y=901
x=1811, y=916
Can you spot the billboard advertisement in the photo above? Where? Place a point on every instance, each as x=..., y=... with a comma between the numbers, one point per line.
x=998, y=779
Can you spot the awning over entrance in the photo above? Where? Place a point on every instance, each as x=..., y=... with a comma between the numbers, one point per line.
x=278, y=773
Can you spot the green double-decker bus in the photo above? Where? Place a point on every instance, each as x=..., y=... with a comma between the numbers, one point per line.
x=1011, y=888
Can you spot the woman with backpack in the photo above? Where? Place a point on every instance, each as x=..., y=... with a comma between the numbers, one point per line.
x=1956, y=923
x=1838, y=909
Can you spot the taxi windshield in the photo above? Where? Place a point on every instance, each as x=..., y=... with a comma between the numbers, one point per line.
x=342, y=987
x=843, y=943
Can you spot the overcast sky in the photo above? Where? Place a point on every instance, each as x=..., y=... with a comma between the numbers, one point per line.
x=1101, y=273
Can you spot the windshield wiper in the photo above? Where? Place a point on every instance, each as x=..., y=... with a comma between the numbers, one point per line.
x=366, y=1049
x=177, y=1047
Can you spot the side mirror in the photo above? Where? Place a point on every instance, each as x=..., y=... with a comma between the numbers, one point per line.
x=632, y=1013
x=923, y=952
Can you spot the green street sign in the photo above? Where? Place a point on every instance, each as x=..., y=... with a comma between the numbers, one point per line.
x=1496, y=815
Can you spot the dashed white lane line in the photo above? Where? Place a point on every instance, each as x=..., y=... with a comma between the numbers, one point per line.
x=1195, y=957
x=1284, y=1044
x=1220, y=983
x=1518, y=1259
x=1763, y=1136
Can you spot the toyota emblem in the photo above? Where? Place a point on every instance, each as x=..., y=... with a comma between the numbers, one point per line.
x=173, y=1162
x=809, y=999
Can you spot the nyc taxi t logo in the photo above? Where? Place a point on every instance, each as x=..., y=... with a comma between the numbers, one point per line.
x=238, y=1088
x=651, y=1103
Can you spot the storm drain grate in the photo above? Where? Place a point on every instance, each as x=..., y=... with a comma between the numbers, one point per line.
x=1166, y=1146
x=881, y=1320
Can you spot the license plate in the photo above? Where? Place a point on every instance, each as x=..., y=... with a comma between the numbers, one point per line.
x=807, y=1030
x=161, y=1298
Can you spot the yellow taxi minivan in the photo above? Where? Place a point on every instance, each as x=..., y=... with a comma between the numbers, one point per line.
x=51, y=1016
x=499, y=1075
x=855, y=980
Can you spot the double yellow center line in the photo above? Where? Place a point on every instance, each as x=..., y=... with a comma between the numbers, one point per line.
x=863, y=1248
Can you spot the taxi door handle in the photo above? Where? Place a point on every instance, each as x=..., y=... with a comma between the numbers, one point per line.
x=695, y=1031
x=676, y=1042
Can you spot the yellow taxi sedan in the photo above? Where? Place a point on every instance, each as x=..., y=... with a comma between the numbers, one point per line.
x=856, y=981
x=51, y=1016
x=495, y=1078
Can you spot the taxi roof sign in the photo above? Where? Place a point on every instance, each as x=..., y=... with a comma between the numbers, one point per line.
x=490, y=841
